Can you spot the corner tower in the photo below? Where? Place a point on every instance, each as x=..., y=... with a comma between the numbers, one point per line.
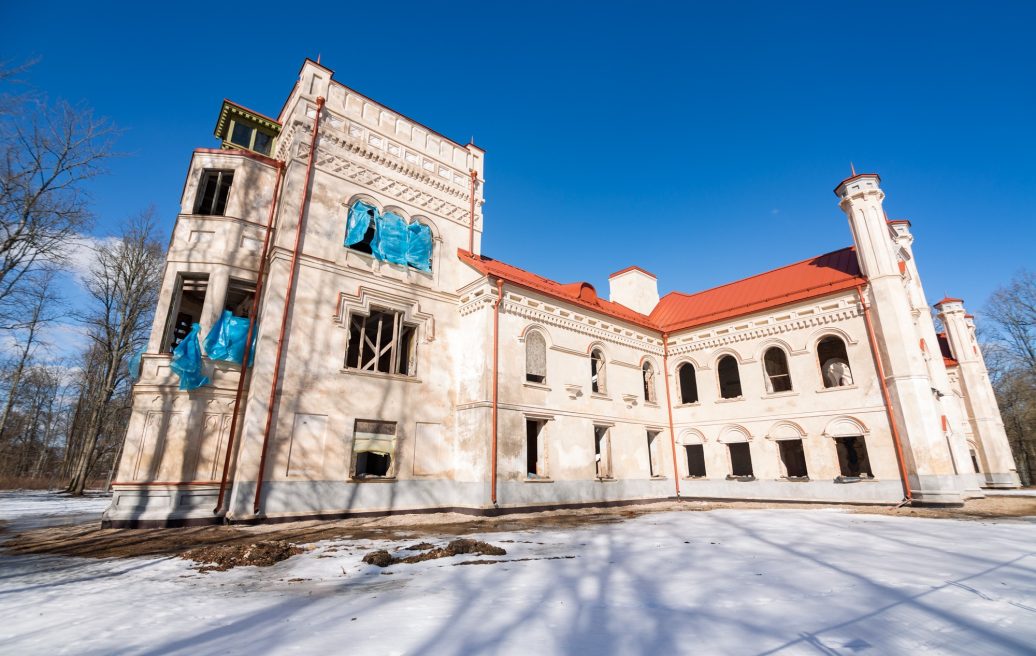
x=927, y=455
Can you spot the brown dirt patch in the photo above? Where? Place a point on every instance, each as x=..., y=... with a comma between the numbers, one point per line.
x=458, y=547
x=91, y=541
x=220, y=558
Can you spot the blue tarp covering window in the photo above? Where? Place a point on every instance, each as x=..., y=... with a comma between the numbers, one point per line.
x=360, y=215
x=134, y=366
x=419, y=246
x=390, y=242
x=187, y=362
x=226, y=340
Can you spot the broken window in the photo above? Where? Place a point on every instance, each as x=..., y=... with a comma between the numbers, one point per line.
x=729, y=378
x=185, y=310
x=695, y=460
x=597, y=374
x=852, y=457
x=834, y=362
x=602, y=452
x=240, y=294
x=793, y=459
x=648, y=373
x=215, y=189
x=535, y=358
x=654, y=460
x=381, y=341
x=535, y=465
x=777, y=377
x=740, y=460
x=374, y=447
x=688, y=382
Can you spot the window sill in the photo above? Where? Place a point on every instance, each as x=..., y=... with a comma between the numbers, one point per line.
x=540, y=386
x=742, y=479
x=658, y=478
x=694, y=478
x=650, y=404
x=383, y=376
x=846, y=480
x=539, y=479
x=599, y=395
x=779, y=395
x=694, y=404
x=793, y=479
x=606, y=479
x=372, y=479
x=840, y=388
x=733, y=400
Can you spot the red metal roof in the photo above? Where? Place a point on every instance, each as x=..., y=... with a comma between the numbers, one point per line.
x=817, y=276
x=950, y=299
x=944, y=348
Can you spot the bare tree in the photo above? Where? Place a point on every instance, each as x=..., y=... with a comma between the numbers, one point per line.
x=1010, y=354
x=46, y=154
x=123, y=284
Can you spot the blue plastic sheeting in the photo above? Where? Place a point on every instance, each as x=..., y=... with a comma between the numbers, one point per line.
x=187, y=362
x=419, y=246
x=226, y=340
x=390, y=242
x=134, y=365
x=360, y=215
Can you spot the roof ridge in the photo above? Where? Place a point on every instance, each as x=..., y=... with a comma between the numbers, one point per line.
x=756, y=275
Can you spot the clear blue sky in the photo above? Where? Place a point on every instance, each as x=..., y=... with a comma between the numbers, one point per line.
x=700, y=142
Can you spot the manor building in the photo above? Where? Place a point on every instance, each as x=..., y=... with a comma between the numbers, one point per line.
x=397, y=368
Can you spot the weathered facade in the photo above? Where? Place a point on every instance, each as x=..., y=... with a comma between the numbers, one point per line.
x=455, y=381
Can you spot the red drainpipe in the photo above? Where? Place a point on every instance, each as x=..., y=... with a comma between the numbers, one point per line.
x=248, y=339
x=471, y=213
x=288, y=296
x=669, y=408
x=496, y=377
x=885, y=394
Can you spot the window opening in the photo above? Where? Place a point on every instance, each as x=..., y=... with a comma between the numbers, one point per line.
x=688, y=383
x=740, y=461
x=974, y=461
x=185, y=311
x=250, y=137
x=215, y=189
x=852, y=458
x=535, y=358
x=695, y=460
x=654, y=466
x=729, y=378
x=534, y=462
x=602, y=452
x=777, y=377
x=240, y=294
x=358, y=213
x=648, y=371
x=597, y=372
x=389, y=237
x=793, y=459
x=382, y=342
x=374, y=446
x=834, y=362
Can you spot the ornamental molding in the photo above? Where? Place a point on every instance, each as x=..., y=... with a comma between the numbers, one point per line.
x=364, y=297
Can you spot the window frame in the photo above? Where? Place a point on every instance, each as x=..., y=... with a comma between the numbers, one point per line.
x=601, y=375
x=391, y=471
x=768, y=378
x=175, y=303
x=647, y=376
x=206, y=175
x=400, y=323
x=820, y=364
x=680, y=384
x=719, y=377
x=530, y=336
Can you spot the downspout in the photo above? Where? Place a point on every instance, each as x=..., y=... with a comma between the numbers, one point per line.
x=885, y=394
x=471, y=213
x=288, y=296
x=669, y=408
x=496, y=380
x=252, y=313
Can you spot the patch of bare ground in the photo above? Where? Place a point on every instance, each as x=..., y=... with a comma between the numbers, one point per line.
x=221, y=557
x=91, y=541
x=460, y=546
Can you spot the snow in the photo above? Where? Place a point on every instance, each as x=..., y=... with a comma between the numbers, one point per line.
x=25, y=509
x=719, y=582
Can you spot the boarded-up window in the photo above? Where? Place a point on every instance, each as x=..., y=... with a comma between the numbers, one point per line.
x=306, y=451
x=374, y=448
x=778, y=379
x=535, y=358
x=432, y=451
x=381, y=341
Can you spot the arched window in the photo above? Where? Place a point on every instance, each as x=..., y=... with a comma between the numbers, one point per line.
x=535, y=358
x=729, y=378
x=778, y=379
x=648, y=371
x=389, y=237
x=834, y=362
x=688, y=383
x=597, y=374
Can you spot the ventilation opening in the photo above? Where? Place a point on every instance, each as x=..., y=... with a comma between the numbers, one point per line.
x=852, y=458
x=695, y=460
x=793, y=459
x=741, y=461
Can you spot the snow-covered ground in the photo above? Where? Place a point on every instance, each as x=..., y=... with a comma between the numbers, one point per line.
x=25, y=509
x=720, y=582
